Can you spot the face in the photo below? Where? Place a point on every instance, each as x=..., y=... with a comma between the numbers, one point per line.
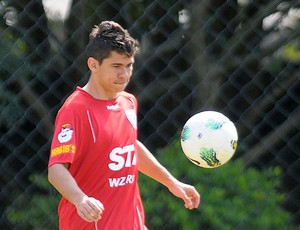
x=113, y=75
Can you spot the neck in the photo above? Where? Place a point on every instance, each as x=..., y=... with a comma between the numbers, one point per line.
x=97, y=93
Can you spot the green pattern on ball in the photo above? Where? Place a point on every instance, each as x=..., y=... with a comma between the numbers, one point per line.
x=214, y=125
x=209, y=156
x=186, y=133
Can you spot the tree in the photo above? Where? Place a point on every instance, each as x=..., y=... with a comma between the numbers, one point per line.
x=24, y=54
x=196, y=55
x=232, y=66
x=241, y=70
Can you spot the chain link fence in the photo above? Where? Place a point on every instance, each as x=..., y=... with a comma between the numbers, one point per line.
x=237, y=57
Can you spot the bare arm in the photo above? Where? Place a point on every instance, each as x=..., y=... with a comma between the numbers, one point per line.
x=88, y=208
x=149, y=166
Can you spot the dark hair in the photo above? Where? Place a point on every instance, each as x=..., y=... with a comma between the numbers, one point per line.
x=109, y=36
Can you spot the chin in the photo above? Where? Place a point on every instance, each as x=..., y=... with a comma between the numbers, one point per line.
x=121, y=86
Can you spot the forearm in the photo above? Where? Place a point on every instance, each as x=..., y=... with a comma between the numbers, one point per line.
x=65, y=184
x=152, y=168
x=149, y=166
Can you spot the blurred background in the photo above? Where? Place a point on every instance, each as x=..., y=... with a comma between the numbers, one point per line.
x=239, y=57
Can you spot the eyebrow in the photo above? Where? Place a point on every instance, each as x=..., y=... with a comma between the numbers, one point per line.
x=122, y=64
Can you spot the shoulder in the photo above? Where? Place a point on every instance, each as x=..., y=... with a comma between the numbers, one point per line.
x=128, y=96
x=74, y=103
x=77, y=99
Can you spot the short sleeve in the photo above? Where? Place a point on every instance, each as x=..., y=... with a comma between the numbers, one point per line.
x=63, y=146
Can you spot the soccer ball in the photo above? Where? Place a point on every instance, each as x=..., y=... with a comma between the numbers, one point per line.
x=209, y=139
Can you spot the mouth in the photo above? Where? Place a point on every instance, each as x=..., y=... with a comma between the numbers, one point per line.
x=121, y=83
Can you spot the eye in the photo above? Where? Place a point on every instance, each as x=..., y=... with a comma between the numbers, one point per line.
x=129, y=66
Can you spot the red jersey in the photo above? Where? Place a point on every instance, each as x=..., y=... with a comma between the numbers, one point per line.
x=98, y=139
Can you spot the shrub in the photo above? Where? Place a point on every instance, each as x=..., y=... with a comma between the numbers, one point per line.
x=38, y=211
x=232, y=197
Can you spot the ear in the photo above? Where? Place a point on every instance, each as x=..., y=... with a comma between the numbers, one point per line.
x=92, y=63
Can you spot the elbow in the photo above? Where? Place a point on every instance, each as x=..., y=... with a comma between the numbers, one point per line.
x=56, y=171
x=50, y=175
x=53, y=173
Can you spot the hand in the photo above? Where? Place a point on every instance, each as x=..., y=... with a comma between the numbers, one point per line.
x=186, y=192
x=89, y=209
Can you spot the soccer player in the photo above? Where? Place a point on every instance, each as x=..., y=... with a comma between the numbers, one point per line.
x=95, y=155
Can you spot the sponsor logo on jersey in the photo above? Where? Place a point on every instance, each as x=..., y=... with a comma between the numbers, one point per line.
x=65, y=134
x=63, y=149
x=122, y=157
x=113, y=107
x=121, y=181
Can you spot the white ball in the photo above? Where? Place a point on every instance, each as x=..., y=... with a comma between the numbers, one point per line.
x=209, y=139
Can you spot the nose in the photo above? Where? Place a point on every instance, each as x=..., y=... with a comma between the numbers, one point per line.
x=125, y=72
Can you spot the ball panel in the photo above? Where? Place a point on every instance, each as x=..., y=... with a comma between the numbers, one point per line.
x=209, y=139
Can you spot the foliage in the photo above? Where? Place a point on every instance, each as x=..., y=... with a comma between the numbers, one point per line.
x=232, y=197
x=221, y=58
x=38, y=211
x=11, y=58
x=291, y=51
x=10, y=109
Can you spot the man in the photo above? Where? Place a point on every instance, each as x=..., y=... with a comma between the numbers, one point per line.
x=95, y=155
